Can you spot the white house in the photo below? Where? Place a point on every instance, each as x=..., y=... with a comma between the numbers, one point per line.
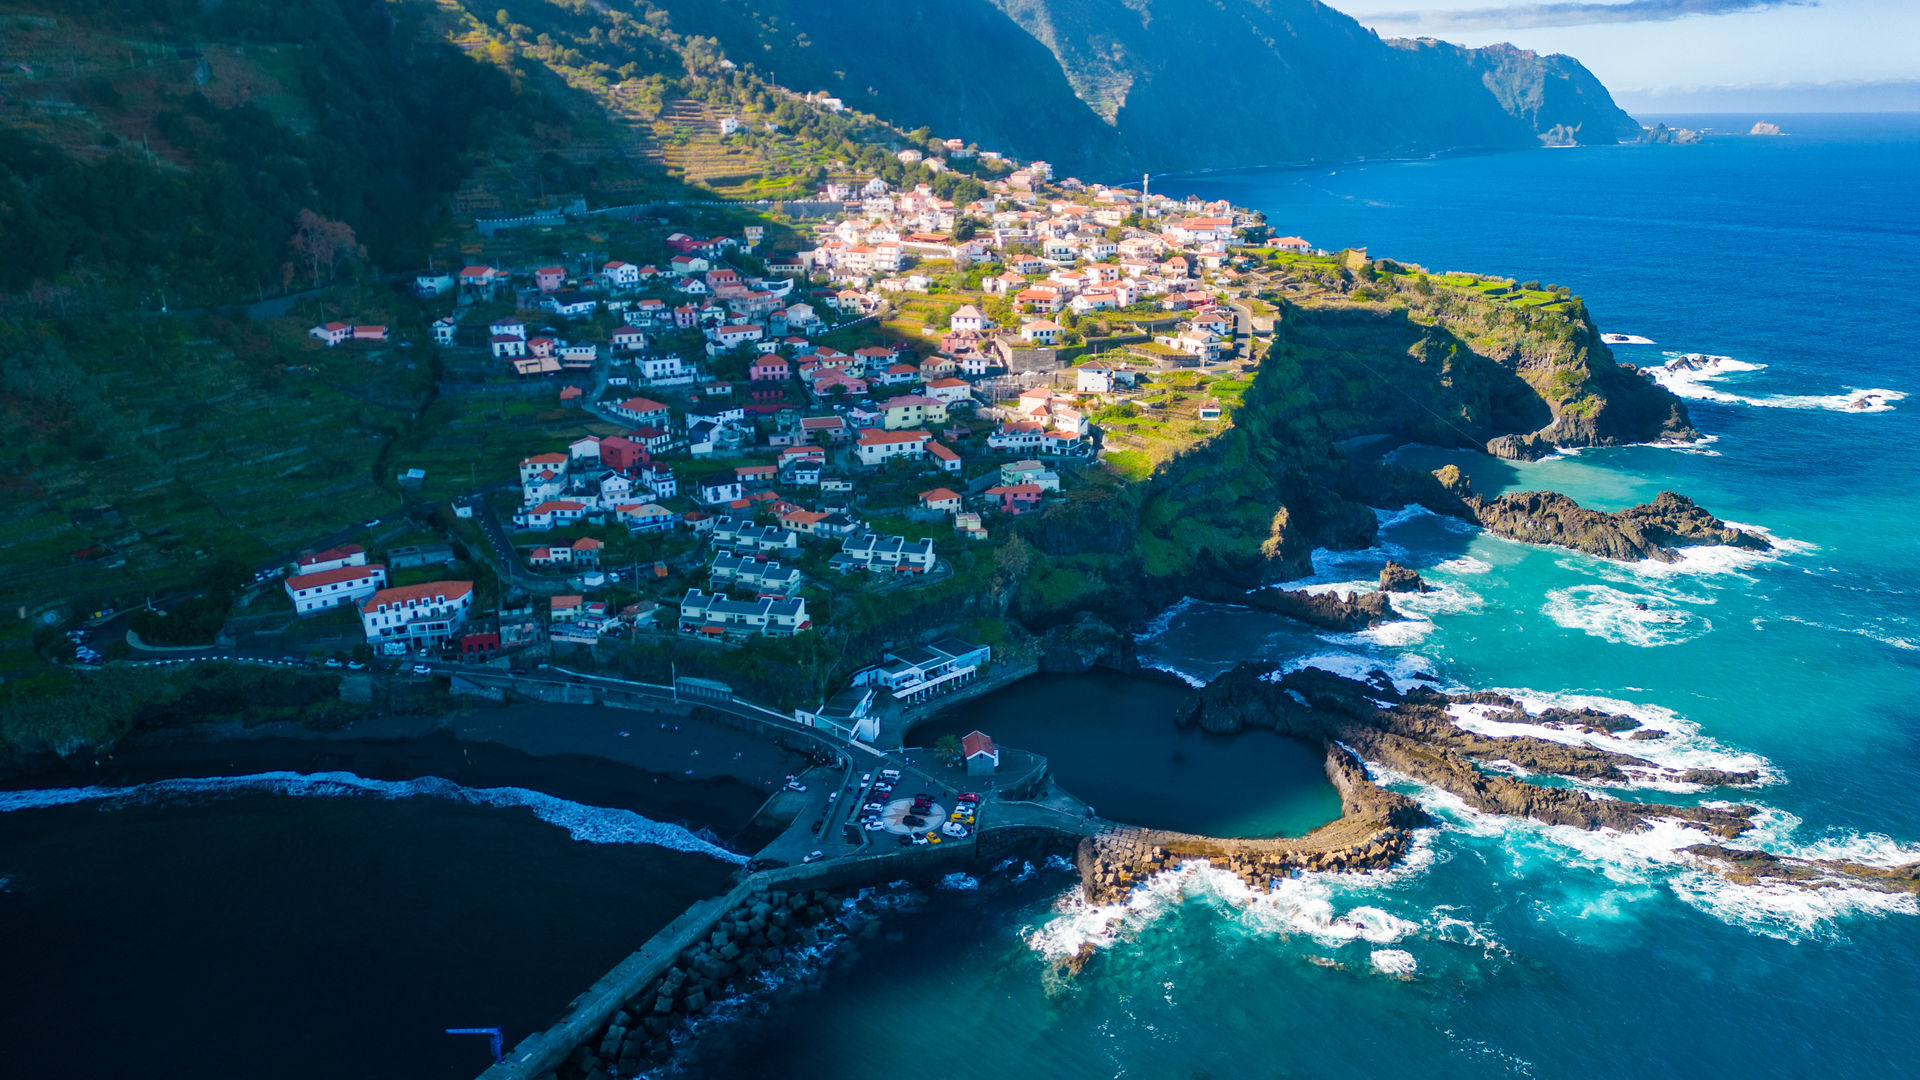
x=877, y=447
x=970, y=318
x=323, y=589
x=1094, y=379
x=416, y=614
x=1040, y=331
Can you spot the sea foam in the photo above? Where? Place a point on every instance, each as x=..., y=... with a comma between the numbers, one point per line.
x=589, y=824
x=1644, y=620
x=1693, y=375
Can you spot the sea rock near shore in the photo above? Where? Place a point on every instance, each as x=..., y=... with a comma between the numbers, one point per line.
x=1413, y=734
x=1396, y=578
x=1651, y=530
x=1327, y=610
x=1747, y=867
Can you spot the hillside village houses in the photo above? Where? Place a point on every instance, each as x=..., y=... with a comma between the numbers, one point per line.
x=719, y=366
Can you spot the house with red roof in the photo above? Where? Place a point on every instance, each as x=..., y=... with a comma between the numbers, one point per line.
x=322, y=589
x=641, y=411
x=877, y=447
x=416, y=615
x=980, y=753
x=331, y=558
x=942, y=499
x=1014, y=498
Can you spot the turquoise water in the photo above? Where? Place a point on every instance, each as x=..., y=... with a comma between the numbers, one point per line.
x=1111, y=741
x=1506, y=948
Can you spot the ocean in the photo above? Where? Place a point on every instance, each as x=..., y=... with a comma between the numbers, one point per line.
x=1501, y=949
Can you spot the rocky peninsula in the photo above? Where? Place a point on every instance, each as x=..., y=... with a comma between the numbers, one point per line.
x=1370, y=728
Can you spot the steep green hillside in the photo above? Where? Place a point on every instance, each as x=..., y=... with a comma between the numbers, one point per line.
x=1106, y=85
x=1394, y=352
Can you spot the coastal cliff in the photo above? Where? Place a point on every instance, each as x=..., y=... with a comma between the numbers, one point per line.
x=1107, y=86
x=1383, y=357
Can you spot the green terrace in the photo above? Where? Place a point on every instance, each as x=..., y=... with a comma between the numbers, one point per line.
x=165, y=447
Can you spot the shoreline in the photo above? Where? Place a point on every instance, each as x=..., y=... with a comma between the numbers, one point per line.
x=575, y=753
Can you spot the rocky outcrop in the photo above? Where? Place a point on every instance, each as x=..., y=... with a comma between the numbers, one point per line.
x=1413, y=735
x=1087, y=642
x=1747, y=867
x=1648, y=531
x=1326, y=610
x=1653, y=530
x=1396, y=578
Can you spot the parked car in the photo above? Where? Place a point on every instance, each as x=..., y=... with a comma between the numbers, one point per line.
x=422, y=669
x=914, y=821
x=875, y=826
x=874, y=807
x=814, y=856
x=794, y=784
x=955, y=830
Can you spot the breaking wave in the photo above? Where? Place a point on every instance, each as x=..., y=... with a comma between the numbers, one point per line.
x=1643, y=619
x=588, y=824
x=1693, y=375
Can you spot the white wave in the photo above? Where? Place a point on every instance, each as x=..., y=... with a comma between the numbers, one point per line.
x=589, y=824
x=1393, y=962
x=1691, y=375
x=1625, y=339
x=1187, y=677
x=1656, y=858
x=1159, y=623
x=1703, y=446
x=1684, y=746
x=1465, y=564
x=1644, y=620
x=959, y=882
x=1442, y=598
x=1905, y=644
x=1402, y=669
x=1300, y=906
x=1058, y=862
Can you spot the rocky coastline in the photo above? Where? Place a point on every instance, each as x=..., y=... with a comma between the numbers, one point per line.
x=1655, y=530
x=777, y=935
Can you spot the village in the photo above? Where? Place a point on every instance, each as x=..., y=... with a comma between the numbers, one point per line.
x=794, y=426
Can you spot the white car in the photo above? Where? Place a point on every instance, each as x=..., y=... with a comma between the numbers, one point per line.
x=795, y=785
x=422, y=669
x=889, y=774
x=920, y=839
x=814, y=856
x=876, y=826
x=866, y=778
x=874, y=807
x=955, y=829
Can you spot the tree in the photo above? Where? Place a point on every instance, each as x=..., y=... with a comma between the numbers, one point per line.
x=947, y=747
x=323, y=246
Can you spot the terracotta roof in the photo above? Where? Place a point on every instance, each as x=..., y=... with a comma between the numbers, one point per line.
x=975, y=743
x=405, y=594
x=876, y=437
x=939, y=494
x=335, y=575
x=332, y=553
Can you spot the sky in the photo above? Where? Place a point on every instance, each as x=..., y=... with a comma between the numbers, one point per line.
x=1816, y=55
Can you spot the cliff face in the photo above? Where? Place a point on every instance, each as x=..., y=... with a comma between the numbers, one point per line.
x=1247, y=508
x=1109, y=85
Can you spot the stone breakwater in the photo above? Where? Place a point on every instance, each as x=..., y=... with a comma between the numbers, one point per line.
x=1374, y=830
x=767, y=933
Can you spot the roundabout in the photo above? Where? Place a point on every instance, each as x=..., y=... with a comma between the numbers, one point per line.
x=894, y=817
